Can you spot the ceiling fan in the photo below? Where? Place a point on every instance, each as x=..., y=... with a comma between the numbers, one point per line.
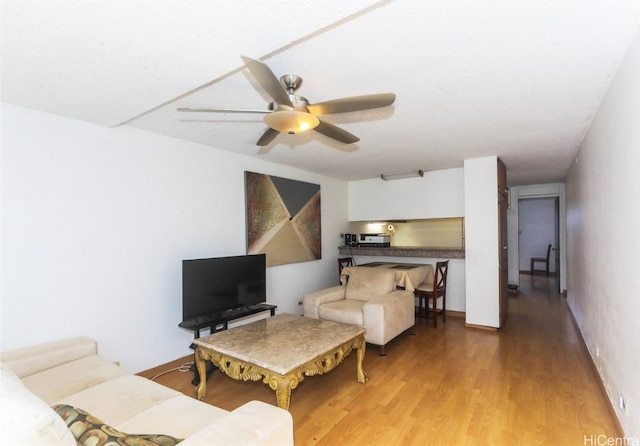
x=291, y=113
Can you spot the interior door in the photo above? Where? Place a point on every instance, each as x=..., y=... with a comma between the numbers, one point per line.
x=503, y=255
x=556, y=247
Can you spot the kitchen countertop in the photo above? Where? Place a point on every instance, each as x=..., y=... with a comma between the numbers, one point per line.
x=404, y=251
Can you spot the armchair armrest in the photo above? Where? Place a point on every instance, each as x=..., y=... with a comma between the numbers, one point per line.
x=312, y=301
x=254, y=423
x=37, y=358
x=389, y=315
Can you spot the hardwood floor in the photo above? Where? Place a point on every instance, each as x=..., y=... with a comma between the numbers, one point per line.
x=531, y=382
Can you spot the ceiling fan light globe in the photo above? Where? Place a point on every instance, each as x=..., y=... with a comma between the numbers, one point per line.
x=291, y=121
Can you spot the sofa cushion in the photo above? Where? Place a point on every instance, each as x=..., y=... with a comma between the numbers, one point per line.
x=253, y=423
x=66, y=379
x=345, y=311
x=180, y=416
x=26, y=419
x=91, y=431
x=365, y=283
x=120, y=399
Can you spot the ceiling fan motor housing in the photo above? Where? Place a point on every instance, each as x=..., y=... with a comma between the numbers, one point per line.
x=299, y=103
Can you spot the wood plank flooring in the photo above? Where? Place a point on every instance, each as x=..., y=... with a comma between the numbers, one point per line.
x=531, y=382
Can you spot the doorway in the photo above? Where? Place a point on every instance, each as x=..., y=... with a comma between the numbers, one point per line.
x=518, y=194
x=538, y=227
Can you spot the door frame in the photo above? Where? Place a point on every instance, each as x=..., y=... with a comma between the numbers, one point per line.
x=536, y=191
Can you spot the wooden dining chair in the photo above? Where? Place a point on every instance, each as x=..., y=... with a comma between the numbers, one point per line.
x=342, y=263
x=432, y=291
x=544, y=260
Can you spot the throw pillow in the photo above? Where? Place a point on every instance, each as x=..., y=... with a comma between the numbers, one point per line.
x=25, y=419
x=90, y=431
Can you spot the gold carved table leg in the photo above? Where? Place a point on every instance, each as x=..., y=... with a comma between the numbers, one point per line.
x=201, y=366
x=283, y=385
x=360, y=345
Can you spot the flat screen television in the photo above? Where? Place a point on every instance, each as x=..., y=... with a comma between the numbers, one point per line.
x=215, y=285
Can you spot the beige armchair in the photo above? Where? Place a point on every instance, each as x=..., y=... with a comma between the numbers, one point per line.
x=369, y=299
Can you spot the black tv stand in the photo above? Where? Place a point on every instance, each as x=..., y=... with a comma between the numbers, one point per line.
x=219, y=322
x=196, y=376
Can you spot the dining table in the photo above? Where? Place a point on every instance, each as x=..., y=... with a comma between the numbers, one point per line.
x=408, y=275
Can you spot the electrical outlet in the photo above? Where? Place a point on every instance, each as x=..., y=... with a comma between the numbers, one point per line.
x=299, y=303
x=622, y=404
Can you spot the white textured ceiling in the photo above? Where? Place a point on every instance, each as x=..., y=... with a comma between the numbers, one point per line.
x=517, y=79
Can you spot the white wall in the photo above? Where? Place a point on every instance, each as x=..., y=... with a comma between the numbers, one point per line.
x=603, y=227
x=481, y=243
x=439, y=194
x=96, y=221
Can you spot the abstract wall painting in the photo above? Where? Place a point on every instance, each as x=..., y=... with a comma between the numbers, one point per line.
x=283, y=219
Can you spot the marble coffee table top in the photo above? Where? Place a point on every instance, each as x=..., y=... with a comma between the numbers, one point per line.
x=280, y=343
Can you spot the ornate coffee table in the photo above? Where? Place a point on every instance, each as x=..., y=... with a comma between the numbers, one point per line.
x=280, y=351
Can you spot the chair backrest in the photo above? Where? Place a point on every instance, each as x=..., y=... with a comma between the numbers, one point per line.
x=548, y=252
x=440, y=278
x=345, y=261
x=367, y=283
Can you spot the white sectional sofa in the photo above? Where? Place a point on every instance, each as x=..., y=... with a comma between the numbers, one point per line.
x=69, y=376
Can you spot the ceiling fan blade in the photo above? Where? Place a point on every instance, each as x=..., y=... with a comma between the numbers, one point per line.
x=267, y=80
x=267, y=137
x=221, y=110
x=336, y=133
x=353, y=103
